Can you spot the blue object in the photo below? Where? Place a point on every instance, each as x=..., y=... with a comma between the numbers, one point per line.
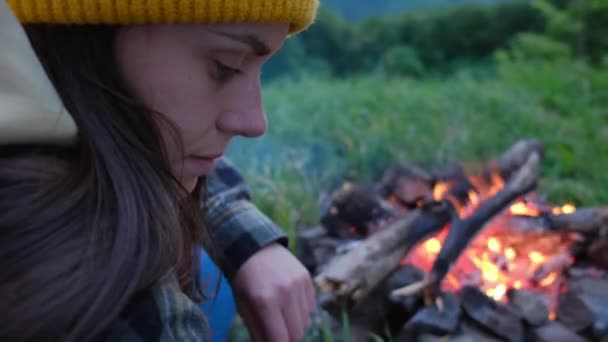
x=219, y=307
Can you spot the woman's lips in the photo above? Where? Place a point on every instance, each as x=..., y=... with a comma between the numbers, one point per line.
x=201, y=164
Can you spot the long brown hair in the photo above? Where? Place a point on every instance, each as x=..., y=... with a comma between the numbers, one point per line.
x=86, y=227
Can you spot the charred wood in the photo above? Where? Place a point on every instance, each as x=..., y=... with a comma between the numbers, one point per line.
x=573, y=313
x=529, y=305
x=557, y=263
x=513, y=159
x=584, y=220
x=403, y=277
x=437, y=320
x=494, y=317
x=355, y=211
x=462, y=231
x=408, y=185
x=555, y=332
x=598, y=253
x=349, y=277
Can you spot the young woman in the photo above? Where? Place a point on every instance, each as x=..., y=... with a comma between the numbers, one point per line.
x=112, y=114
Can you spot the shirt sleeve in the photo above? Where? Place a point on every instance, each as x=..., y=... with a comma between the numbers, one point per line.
x=238, y=228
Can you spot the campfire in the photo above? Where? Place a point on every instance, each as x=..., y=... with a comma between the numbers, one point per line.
x=502, y=256
x=446, y=253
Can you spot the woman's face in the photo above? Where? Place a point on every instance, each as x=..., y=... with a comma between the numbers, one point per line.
x=205, y=79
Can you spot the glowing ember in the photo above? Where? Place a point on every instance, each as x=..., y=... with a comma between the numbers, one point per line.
x=536, y=257
x=440, y=190
x=510, y=254
x=433, y=246
x=500, y=258
x=494, y=245
x=565, y=209
x=549, y=279
x=523, y=209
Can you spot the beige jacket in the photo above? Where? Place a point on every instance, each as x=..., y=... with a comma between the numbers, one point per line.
x=30, y=109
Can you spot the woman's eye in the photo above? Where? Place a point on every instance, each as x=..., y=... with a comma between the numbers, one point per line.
x=224, y=72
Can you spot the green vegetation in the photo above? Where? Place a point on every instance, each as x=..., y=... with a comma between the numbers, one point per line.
x=328, y=128
x=442, y=38
x=361, y=9
x=324, y=128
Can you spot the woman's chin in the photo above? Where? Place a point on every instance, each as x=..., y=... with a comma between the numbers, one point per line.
x=189, y=184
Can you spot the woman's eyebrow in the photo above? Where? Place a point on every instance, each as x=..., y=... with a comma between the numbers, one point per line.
x=259, y=48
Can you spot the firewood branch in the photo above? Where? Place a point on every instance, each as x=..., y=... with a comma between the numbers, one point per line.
x=583, y=220
x=463, y=231
x=349, y=277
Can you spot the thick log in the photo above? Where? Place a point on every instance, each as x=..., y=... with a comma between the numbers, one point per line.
x=583, y=220
x=437, y=320
x=349, y=277
x=494, y=317
x=555, y=332
x=529, y=306
x=505, y=166
x=462, y=231
x=598, y=253
x=516, y=156
x=573, y=312
x=406, y=185
x=355, y=211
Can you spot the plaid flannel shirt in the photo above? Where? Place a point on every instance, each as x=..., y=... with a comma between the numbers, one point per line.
x=238, y=230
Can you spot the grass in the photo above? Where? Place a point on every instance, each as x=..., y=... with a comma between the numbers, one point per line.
x=322, y=130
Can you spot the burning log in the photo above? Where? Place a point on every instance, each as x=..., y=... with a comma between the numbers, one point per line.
x=355, y=211
x=494, y=317
x=405, y=276
x=529, y=305
x=573, y=313
x=515, y=158
x=584, y=220
x=593, y=292
x=462, y=231
x=598, y=253
x=349, y=277
x=407, y=185
x=555, y=265
x=437, y=320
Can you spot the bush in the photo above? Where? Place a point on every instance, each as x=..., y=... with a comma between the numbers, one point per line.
x=363, y=124
x=439, y=36
x=595, y=29
x=402, y=61
x=579, y=24
x=530, y=46
x=445, y=36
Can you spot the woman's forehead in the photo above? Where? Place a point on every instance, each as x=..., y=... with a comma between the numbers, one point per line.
x=263, y=39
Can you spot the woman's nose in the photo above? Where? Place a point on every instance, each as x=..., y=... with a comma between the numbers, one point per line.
x=245, y=114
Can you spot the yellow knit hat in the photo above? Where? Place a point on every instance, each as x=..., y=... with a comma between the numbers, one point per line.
x=299, y=13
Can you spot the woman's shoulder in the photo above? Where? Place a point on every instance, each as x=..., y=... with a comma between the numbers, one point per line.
x=163, y=314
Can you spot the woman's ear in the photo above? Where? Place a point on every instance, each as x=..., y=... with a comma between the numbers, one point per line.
x=30, y=109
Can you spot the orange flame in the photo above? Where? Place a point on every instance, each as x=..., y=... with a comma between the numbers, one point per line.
x=524, y=209
x=440, y=190
x=500, y=258
x=536, y=257
x=565, y=209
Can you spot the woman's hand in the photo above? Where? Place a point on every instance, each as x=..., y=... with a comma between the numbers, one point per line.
x=274, y=295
